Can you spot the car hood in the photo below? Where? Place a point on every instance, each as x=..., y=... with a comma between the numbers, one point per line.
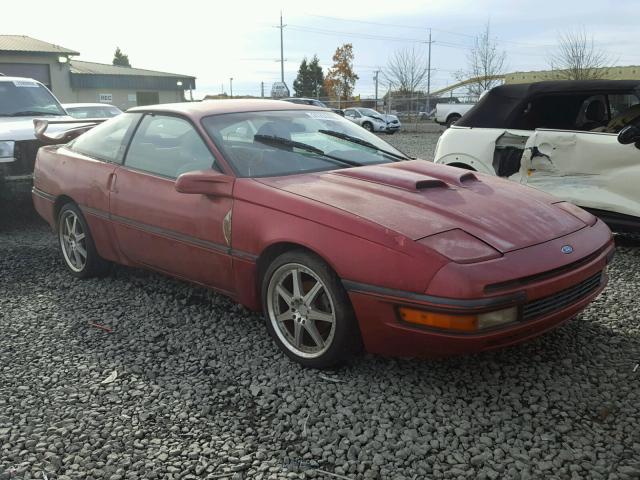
x=418, y=199
x=389, y=118
x=21, y=128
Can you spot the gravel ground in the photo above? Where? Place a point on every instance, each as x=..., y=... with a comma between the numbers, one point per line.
x=421, y=145
x=202, y=392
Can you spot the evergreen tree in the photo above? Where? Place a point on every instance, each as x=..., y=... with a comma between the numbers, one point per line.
x=120, y=58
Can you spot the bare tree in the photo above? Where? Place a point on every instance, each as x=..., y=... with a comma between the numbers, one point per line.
x=486, y=64
x=407, y=69
x=577, y=57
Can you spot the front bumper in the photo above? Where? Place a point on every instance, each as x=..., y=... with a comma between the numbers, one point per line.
x=384, y=333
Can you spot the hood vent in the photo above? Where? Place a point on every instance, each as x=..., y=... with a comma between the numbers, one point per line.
x=393, y=177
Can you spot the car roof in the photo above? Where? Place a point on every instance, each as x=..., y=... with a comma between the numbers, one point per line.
x=79, y=105
x=498, y=107
x=205, y=108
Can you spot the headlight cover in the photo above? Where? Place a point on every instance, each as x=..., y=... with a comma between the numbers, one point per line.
x=578, y=212
x=7, y=148
x=459, y=246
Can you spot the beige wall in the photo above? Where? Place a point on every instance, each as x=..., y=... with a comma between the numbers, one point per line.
x=120, y=98
x=631, y=72
x=59, y=72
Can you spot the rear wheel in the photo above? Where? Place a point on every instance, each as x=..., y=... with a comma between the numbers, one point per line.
x=451, y=119
x=76, y=244
x=308, y=312
x=368, y=126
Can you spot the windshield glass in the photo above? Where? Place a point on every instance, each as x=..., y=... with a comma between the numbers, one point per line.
x=93, y=112
x=241, y=138
x=26, y=98
x=369, y=112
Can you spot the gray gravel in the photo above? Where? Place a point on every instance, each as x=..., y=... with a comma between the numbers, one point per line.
x=201, y=391
x=421, y=145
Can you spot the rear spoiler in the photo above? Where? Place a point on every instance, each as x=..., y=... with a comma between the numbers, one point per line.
x=76, y=127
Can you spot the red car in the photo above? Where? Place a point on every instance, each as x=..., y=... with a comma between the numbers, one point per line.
x=338, y=237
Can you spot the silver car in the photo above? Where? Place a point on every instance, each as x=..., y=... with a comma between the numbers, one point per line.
x=373, y=121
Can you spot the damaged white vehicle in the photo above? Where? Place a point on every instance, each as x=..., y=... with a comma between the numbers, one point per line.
x=560, y=137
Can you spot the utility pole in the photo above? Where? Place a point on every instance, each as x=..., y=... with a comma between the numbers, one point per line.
x=262, y=89
x=231, y=87
x=375, y=78
x=281, y=27
x=429, y=75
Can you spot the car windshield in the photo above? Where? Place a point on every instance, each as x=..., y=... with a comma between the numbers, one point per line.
x=369, y=112
x=27, y=98
x=276, y=143
x=93, y=112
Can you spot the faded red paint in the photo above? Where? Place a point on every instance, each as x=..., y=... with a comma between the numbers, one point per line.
x=365, y=222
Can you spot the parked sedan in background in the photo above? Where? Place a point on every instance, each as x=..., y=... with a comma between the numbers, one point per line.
x=313, y=102
x=559, y=137
x=373, y=121
x=91, y=110
x=340, y=239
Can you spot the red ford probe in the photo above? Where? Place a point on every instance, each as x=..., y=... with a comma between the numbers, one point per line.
x=338, y=237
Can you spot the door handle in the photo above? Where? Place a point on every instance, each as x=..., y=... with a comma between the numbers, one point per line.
x=111, y=182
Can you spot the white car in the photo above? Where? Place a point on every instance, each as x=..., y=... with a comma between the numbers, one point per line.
x=91, y=110
x=373, y=121
x=449, y=113
x=560, y=137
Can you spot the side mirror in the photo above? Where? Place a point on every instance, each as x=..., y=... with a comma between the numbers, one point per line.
x=629, y=134
x=205, y=182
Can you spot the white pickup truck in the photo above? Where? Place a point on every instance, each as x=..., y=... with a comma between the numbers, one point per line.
x=449, y=113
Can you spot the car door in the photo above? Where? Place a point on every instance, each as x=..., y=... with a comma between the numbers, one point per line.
x=156, y=226
x=590, y=169
x=92, y=160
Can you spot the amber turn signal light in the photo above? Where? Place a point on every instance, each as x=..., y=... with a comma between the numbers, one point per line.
x=464, y=323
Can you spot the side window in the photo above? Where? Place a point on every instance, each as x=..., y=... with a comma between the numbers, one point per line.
x=350, y=113
x=108, y=140
x=168, y=146
x=620, y=103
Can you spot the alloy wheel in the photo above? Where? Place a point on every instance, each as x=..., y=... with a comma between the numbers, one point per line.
x=73, y=241
x=301, y=310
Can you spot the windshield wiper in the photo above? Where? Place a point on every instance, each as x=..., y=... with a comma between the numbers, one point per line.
x=285, y=142
x=360, y=141
x=30, y=113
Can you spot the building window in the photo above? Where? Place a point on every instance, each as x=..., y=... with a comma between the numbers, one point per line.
x=147, y=98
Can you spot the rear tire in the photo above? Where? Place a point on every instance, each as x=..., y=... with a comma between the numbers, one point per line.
x=308, y=312
x=452, y=119
x=76, y=244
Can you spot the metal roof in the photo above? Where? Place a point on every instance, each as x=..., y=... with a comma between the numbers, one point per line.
x=22, y=43
x=93, y=68
x=102, y=75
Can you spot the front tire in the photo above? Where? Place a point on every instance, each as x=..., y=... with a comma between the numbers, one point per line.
x=308, y=312
x=76, y=244
x=368, y=126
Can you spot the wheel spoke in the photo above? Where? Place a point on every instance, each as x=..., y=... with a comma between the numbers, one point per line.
x=312, y=294
x=286, y=296
x=67, y=222
x=297, y=329
x=321, y=316
x=79, y=237
x=288, y=315
x=73, y=226
x=314, y=334
x=78, y=259
x=81, y=251
x=297, y=283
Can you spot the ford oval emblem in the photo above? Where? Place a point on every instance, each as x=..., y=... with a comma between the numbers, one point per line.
x=567, y=249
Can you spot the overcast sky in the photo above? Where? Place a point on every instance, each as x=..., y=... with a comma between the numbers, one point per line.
x=217, y=40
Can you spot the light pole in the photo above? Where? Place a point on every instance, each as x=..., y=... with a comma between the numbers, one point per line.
x=231, y=87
